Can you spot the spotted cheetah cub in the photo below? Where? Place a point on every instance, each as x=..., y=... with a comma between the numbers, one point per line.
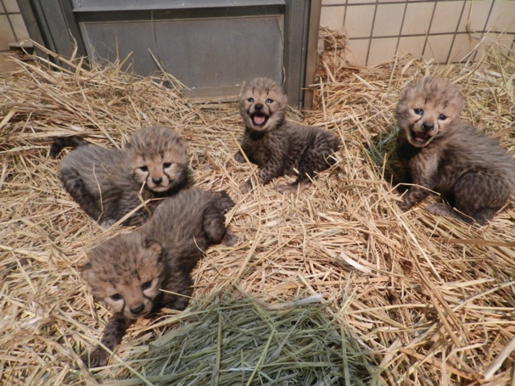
x=129, y=271
x=108, y=184
x=441, y=153
x=277, y=146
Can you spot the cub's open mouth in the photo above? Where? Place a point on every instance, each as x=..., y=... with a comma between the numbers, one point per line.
x=259, y=119
x=420, y=137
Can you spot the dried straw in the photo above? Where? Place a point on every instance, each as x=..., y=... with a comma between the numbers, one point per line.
x=424, y=300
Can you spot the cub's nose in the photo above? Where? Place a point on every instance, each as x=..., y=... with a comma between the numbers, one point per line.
x=428, y=126
x=157, y=180
x=258, y=106
x=137, y=310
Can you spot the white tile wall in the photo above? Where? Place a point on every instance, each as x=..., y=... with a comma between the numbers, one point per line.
x=412, y=45
x=6, y=33
x=475, y=16
x=388, y=20
x=417, y=19
x=438, y=47
x=463, y=44
x=332, y=17
x=12, y=27
x=444, y=31
x=358, y=20
x=446, y=17
x=382, y=50
x=502, y=17
x=358, y=49
x=11, y=6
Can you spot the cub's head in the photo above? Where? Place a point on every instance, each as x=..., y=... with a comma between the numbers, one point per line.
x=158, y=159
x=262, y=104
x=126, y=272
x=427, y=109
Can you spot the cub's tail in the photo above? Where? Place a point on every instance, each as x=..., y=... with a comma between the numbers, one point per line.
x=61, y=142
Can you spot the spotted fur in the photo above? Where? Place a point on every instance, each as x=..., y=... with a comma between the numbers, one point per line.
x=109, y=184
x=129, y=271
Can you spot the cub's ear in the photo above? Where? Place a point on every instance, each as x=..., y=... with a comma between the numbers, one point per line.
x=460, y=103
x=284, y=99
x=404, y=92
x=87, y=273
x=244, y=83
x=224, y=201
x=128, y=144
x=153, y=246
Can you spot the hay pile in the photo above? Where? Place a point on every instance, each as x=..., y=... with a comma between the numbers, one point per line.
x=419, y=299
x=228, y=340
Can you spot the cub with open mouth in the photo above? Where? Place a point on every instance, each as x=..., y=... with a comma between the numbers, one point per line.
x=442, y=154
x=277, y=146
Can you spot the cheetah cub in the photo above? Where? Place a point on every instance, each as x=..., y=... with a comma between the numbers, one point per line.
x=108, y=184
x=441, y=153
x=277, y=146
x=129, y=271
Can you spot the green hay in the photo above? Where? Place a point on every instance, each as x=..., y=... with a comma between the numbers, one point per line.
x=229, y=340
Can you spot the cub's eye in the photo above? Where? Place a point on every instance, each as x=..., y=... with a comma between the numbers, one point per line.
x=116, y=297
x=166, y=165
x=146, y=285
x=442, y=117
x=418, y=111
x=251, y=100
x=269, y=101
x=143, y=168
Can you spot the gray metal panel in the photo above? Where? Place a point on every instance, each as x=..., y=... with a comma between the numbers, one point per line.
x=52, y=22
x=30, y=19
x=135, y=5
x=207, y=55
x=278, y=51
x=312, y=52
x=296, y=29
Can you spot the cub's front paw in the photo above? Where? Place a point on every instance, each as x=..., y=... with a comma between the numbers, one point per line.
x=245, y=187
x=440, y=209
x=403, y=205
x=97, y=358
x=239, y=157
x=293, y=188
x=230, y=239
x=106, y=224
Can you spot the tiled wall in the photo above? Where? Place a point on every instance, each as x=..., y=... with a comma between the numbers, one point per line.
x=12, y=27
x=443, y=30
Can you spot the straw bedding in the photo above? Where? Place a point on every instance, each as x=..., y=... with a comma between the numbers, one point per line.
x=392, y=297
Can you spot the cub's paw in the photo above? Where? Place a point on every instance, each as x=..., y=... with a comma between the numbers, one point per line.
x=106, y=224
x=292, y=188
x=239, y=157
x=403, y=205
x=230, y=239
x=441, y=209
x=97, y=358
x=245, y=187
